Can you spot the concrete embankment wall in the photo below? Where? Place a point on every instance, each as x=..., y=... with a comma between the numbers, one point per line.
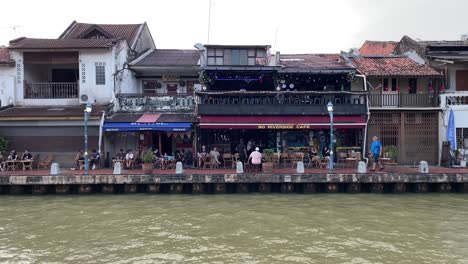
x=234, y=183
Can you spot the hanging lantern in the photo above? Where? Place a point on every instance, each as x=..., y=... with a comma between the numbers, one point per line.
x=283, y=86
x=420, y=89
x=278, y=88
x=291, y=85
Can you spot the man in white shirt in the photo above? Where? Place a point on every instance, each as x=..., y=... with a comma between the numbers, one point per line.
x=256, y=159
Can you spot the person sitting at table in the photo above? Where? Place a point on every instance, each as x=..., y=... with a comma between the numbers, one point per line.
x=129, y=158
x=26, y=155
x=180, y=156
x=157, y=154
x=313, y=155
x=201, y=155
x=79, y=156
x=94, y=159
x=13, y=155
x=120, y=155
x=326, y=153
x=215, y=155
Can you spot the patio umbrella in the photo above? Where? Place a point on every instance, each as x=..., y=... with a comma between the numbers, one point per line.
x=451, y=131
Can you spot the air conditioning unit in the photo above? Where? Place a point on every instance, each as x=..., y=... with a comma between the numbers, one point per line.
x=197, y=87
x=85, y=98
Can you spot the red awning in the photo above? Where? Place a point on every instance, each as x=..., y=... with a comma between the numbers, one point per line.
x=281, y=122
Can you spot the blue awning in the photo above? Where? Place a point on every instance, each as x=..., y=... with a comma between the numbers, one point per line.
x=176, y=127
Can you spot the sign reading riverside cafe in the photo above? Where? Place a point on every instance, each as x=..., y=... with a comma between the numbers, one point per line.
x=289, y=126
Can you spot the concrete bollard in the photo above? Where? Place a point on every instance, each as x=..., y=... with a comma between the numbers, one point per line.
x=118, y=168
x=300, y=167
x=54, y=168
x=423, y=167
x=179, y=168
x=239, y=167
x=362, y=168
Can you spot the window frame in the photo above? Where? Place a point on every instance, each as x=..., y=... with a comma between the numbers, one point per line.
x=100, y=76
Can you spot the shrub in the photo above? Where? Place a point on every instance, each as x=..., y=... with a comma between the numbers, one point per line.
x=148, y=157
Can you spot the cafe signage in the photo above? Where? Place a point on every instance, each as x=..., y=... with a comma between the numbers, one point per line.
x=288, y=126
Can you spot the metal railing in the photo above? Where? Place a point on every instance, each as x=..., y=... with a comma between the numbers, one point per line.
x=403, y=100
x=51, y=90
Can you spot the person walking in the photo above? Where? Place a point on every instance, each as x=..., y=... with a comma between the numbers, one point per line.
x=376, y=151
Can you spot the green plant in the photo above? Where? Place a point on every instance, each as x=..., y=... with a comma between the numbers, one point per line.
x=391, y=152
x=3, y=144
x=268, y=154
x=148, y=157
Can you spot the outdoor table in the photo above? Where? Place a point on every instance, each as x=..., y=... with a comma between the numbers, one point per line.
x=11, y=164
x=27, y=164
x=350, y=160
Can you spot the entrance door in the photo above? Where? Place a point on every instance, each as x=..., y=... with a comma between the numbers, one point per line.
x=390, y=94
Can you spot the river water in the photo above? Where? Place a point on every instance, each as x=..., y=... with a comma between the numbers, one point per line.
x=251, y=228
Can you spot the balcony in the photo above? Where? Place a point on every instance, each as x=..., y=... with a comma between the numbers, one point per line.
x=161, y=103
x=458, y=100
x=402, y=100
x=280, y=103
x=50, y=90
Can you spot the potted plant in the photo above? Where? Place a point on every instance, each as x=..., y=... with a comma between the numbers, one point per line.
x=148, y=159
x=391, y=152
x=267, y=166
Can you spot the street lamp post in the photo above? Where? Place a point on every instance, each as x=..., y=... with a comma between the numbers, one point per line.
x=87, y=111
x=330, y=112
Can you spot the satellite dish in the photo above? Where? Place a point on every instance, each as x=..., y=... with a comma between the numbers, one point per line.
x=84, y=97
x=199, y=46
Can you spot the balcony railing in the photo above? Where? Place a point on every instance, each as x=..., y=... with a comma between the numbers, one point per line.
x=142, y=102
x=403, y=100
x=457, y=100
x=279, y=103
x=51, y=90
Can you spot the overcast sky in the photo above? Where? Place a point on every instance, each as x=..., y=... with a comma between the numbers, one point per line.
x=316, y=26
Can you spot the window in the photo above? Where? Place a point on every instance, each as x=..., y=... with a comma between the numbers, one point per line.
x=149, y=87
x=100, y=73
x=171, y=88
x=215, y=56
x=385, y=85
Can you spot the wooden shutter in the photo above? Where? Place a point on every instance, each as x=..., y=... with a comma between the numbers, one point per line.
x=462, y=80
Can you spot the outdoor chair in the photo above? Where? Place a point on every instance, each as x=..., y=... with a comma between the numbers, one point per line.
x=297, y=157
x=206, y=161
x=285, y=159
x=227, y=158
x=46, y=162
x=313, y=162
x=276, y=160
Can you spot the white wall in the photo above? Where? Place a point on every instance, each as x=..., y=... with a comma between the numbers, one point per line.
x=7, y=85
x=100, y=94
